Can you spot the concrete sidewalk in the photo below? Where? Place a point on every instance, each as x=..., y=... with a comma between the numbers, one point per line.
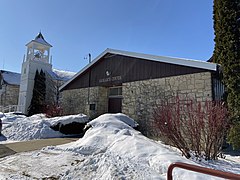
x=12, y=148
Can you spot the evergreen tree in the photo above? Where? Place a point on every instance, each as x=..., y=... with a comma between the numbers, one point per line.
x=39, y=93
x=226, y=15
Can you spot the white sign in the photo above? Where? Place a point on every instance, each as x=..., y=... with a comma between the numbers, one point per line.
x=110, y=79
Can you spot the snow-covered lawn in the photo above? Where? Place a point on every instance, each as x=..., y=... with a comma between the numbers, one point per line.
x=110, y=149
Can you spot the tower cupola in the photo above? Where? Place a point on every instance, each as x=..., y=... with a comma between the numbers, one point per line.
x=38, y=49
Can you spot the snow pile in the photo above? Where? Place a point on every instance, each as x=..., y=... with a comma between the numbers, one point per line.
x=111, y=119
x=9, y=118
x=111, y=149
x=79, y=118
x=34, y=127
x=21, y=128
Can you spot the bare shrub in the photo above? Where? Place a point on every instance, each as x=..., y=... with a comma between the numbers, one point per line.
x=53, y=111
x=193, y=127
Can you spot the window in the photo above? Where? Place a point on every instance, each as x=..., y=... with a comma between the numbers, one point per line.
x=92, y=107
x=115, y=91
x=219, y=89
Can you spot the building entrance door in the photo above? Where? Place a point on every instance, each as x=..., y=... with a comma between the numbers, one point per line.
x=114, y=105
x=115, y=100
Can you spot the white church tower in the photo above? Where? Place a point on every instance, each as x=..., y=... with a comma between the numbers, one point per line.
x=37, y=58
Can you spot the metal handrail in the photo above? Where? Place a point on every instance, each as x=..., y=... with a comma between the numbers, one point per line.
x=10, y=108
x=200, y=169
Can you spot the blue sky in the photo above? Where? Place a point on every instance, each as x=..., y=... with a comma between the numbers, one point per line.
x=77, y=27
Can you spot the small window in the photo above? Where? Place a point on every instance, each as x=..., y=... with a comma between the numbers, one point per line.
x=92, y=107
x=24, y=71
x=115, y=91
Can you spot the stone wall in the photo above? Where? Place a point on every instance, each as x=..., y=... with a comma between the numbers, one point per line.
x=52, y=90
x=76, y=101
x=140, y=97
x=9, y=95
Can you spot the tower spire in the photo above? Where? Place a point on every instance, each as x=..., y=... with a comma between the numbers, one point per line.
x=39, y=36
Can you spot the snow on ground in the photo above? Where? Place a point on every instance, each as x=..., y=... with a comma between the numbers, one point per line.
x=110, y=149
x=21, y=128
x=9, y=118
x=80, y=118
x=34, y=127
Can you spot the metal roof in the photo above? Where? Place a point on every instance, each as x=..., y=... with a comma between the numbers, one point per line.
x=40, y=39
x=9, y=77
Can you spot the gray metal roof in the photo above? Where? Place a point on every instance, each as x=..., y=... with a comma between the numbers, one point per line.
x=11, y=77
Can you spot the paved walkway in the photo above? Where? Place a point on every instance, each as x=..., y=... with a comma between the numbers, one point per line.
x=12, y=148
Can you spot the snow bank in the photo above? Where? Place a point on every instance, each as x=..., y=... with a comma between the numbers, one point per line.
x=112, y=149
x=79, y=118
x=21, y=128
x=9, y=118
x=34, y=127
x=109, y=119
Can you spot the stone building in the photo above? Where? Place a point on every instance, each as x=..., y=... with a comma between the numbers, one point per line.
x=9, y=88
x=133, y=83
